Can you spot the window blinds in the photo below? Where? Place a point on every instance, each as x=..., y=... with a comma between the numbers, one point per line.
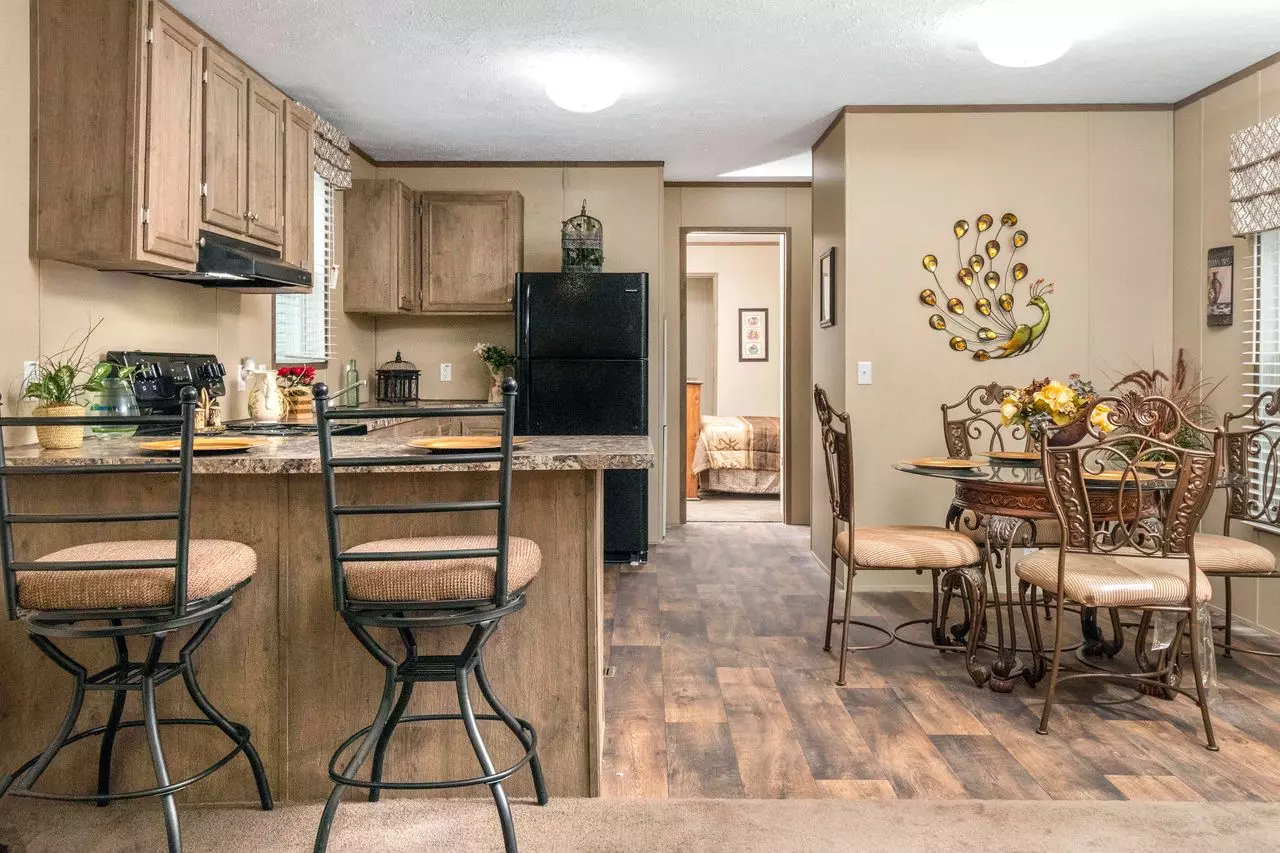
x=302, y=319
x=1262, y=346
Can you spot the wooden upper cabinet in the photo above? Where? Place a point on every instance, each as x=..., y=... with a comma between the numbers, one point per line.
x=171, y=173
x=266, y=162
x=299, y=185
x=472, y=248
x=380, y=276
x=226, y=140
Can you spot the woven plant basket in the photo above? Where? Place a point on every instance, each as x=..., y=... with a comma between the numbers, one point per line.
x=300, y=401
x=59, y=437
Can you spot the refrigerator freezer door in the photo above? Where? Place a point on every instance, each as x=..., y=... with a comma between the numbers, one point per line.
x=582, y=315
x=564, y=397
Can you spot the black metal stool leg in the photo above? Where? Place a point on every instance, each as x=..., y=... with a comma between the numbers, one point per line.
x=32, y=775
x=113, y=725
x=482, y=754
x=233, y=730
x=357, y=760
x=406, y=693
x=535, y=764
x=151, y=723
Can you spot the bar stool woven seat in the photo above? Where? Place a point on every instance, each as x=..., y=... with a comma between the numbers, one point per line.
x=906, y=546
x=439, y=580
x=214, y=566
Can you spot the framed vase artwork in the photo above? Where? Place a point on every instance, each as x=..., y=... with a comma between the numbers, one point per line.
x=1220, y=288
x=753, y=334
x=827, y=289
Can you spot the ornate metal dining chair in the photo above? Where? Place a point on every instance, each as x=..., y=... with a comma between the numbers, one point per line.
x=116, y=589
x=1252, y=468
x=1129, y=503
x=909, y=547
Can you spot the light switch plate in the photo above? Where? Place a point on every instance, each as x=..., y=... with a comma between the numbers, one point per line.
x=864, y=373
x=446, y=372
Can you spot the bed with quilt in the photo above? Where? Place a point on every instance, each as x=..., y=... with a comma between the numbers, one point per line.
x=739, y=455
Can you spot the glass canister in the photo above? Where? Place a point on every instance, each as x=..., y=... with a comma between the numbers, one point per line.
x=116, y=398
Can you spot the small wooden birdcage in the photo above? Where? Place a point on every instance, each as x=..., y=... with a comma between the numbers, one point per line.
x=582, y=243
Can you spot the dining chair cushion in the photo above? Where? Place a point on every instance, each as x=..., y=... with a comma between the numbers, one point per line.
x=908, y=547
x=439, y=580
x=213, y=566
x=1226, y=555
x=1114, y=580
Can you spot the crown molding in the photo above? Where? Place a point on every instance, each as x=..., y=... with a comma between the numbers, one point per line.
x=1227, y=81
x=796, y=184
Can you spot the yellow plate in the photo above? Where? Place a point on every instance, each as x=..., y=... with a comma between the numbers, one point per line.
x=204, y=444
x=1116, y=476
x=944, y=462
x=459, y=443
x=1013, y=455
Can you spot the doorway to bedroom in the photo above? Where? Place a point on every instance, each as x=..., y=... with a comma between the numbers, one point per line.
x=734, y=321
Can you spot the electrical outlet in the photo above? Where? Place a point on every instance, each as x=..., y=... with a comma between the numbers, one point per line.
x=446, y=372
x=864, y=373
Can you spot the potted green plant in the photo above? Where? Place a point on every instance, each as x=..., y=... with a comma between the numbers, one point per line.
x=499, y=360
x=58, y=387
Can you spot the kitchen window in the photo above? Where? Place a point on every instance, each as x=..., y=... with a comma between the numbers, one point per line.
x=1262, y=348
x=302, y=323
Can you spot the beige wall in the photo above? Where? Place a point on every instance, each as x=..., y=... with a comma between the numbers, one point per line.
x=628, y=200
x=747, y=277
x=1202, y=220
x=1094, y=190
x=45, y=302
x=742, y=207
x=828, y=345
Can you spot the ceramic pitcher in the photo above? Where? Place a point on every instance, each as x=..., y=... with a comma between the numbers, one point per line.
x=266, y=401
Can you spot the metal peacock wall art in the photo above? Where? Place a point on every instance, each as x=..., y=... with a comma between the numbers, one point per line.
x=1005, y=336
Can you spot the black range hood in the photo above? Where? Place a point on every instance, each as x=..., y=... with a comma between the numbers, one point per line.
x=231, y=264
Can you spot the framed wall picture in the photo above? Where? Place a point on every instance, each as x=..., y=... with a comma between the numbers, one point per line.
x=1221, y=286
x=827, y=289
x=753, y=334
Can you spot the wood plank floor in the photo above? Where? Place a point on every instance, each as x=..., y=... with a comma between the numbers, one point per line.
x=721, y=689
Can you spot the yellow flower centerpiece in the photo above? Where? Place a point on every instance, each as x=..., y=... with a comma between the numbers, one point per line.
x=1061, y=404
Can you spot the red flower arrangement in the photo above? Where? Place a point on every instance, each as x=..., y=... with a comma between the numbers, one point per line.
x=296, y=377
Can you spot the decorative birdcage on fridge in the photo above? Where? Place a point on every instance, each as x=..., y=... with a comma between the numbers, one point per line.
x=582, y=243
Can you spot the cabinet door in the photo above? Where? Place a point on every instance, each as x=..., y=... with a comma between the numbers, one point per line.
x=171, y=173
x=299, y=185
x=471, y=251
x=371, y=277
x=226, y=141
x=266, y=163
x=407, y=281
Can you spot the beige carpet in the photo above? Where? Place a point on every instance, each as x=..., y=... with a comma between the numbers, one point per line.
x=660, y=826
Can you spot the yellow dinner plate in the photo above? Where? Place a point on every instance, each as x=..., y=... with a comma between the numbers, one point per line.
x=1116, y=476
x=1013, y=455
x=460, y=443
x=204, y=445
x=944, y=462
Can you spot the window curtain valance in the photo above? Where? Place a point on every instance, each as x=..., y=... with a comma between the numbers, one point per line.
x=1255, y=178
x=333, y=154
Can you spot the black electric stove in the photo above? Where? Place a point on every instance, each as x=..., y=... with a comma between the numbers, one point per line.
x=160, y=377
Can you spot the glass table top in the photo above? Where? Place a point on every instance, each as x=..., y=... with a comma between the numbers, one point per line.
x=1027, y=473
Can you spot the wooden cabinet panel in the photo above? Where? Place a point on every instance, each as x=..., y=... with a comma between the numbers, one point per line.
x=226, y=140
x=266, y=163
x=472, y=248
x=172, y=140
x=693, y=426
x=407, y=280
x=380, y=277
x=299, y=185
x=480, y=426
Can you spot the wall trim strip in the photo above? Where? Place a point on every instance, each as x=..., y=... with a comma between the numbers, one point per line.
x=1227, y=81
x=798, y=184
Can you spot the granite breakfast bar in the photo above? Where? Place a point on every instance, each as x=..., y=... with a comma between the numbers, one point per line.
x=283, y=663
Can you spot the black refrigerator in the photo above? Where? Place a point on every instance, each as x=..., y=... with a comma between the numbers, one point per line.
x=582, y=340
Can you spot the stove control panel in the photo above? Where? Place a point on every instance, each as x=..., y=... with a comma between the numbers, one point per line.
x=161, y=376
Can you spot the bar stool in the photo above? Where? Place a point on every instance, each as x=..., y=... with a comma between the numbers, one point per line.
x=120, y=589
x=422, y=583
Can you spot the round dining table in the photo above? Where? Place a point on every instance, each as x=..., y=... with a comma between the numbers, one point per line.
x=1005, y=504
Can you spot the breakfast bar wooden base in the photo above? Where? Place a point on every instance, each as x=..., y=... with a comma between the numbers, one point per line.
x=284, y=664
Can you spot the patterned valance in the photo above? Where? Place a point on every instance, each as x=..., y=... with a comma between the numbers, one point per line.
x=333, y=154
x=1255, y=178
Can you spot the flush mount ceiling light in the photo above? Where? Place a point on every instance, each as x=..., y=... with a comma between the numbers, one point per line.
x=1024, y=38
x=584, y=85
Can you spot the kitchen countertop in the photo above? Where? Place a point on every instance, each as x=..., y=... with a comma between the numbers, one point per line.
x=301, y=455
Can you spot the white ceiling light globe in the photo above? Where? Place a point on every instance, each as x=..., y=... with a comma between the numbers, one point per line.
x=1025, y=40
x=584, y=89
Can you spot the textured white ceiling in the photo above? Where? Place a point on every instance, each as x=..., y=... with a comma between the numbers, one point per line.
x=718, y=85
